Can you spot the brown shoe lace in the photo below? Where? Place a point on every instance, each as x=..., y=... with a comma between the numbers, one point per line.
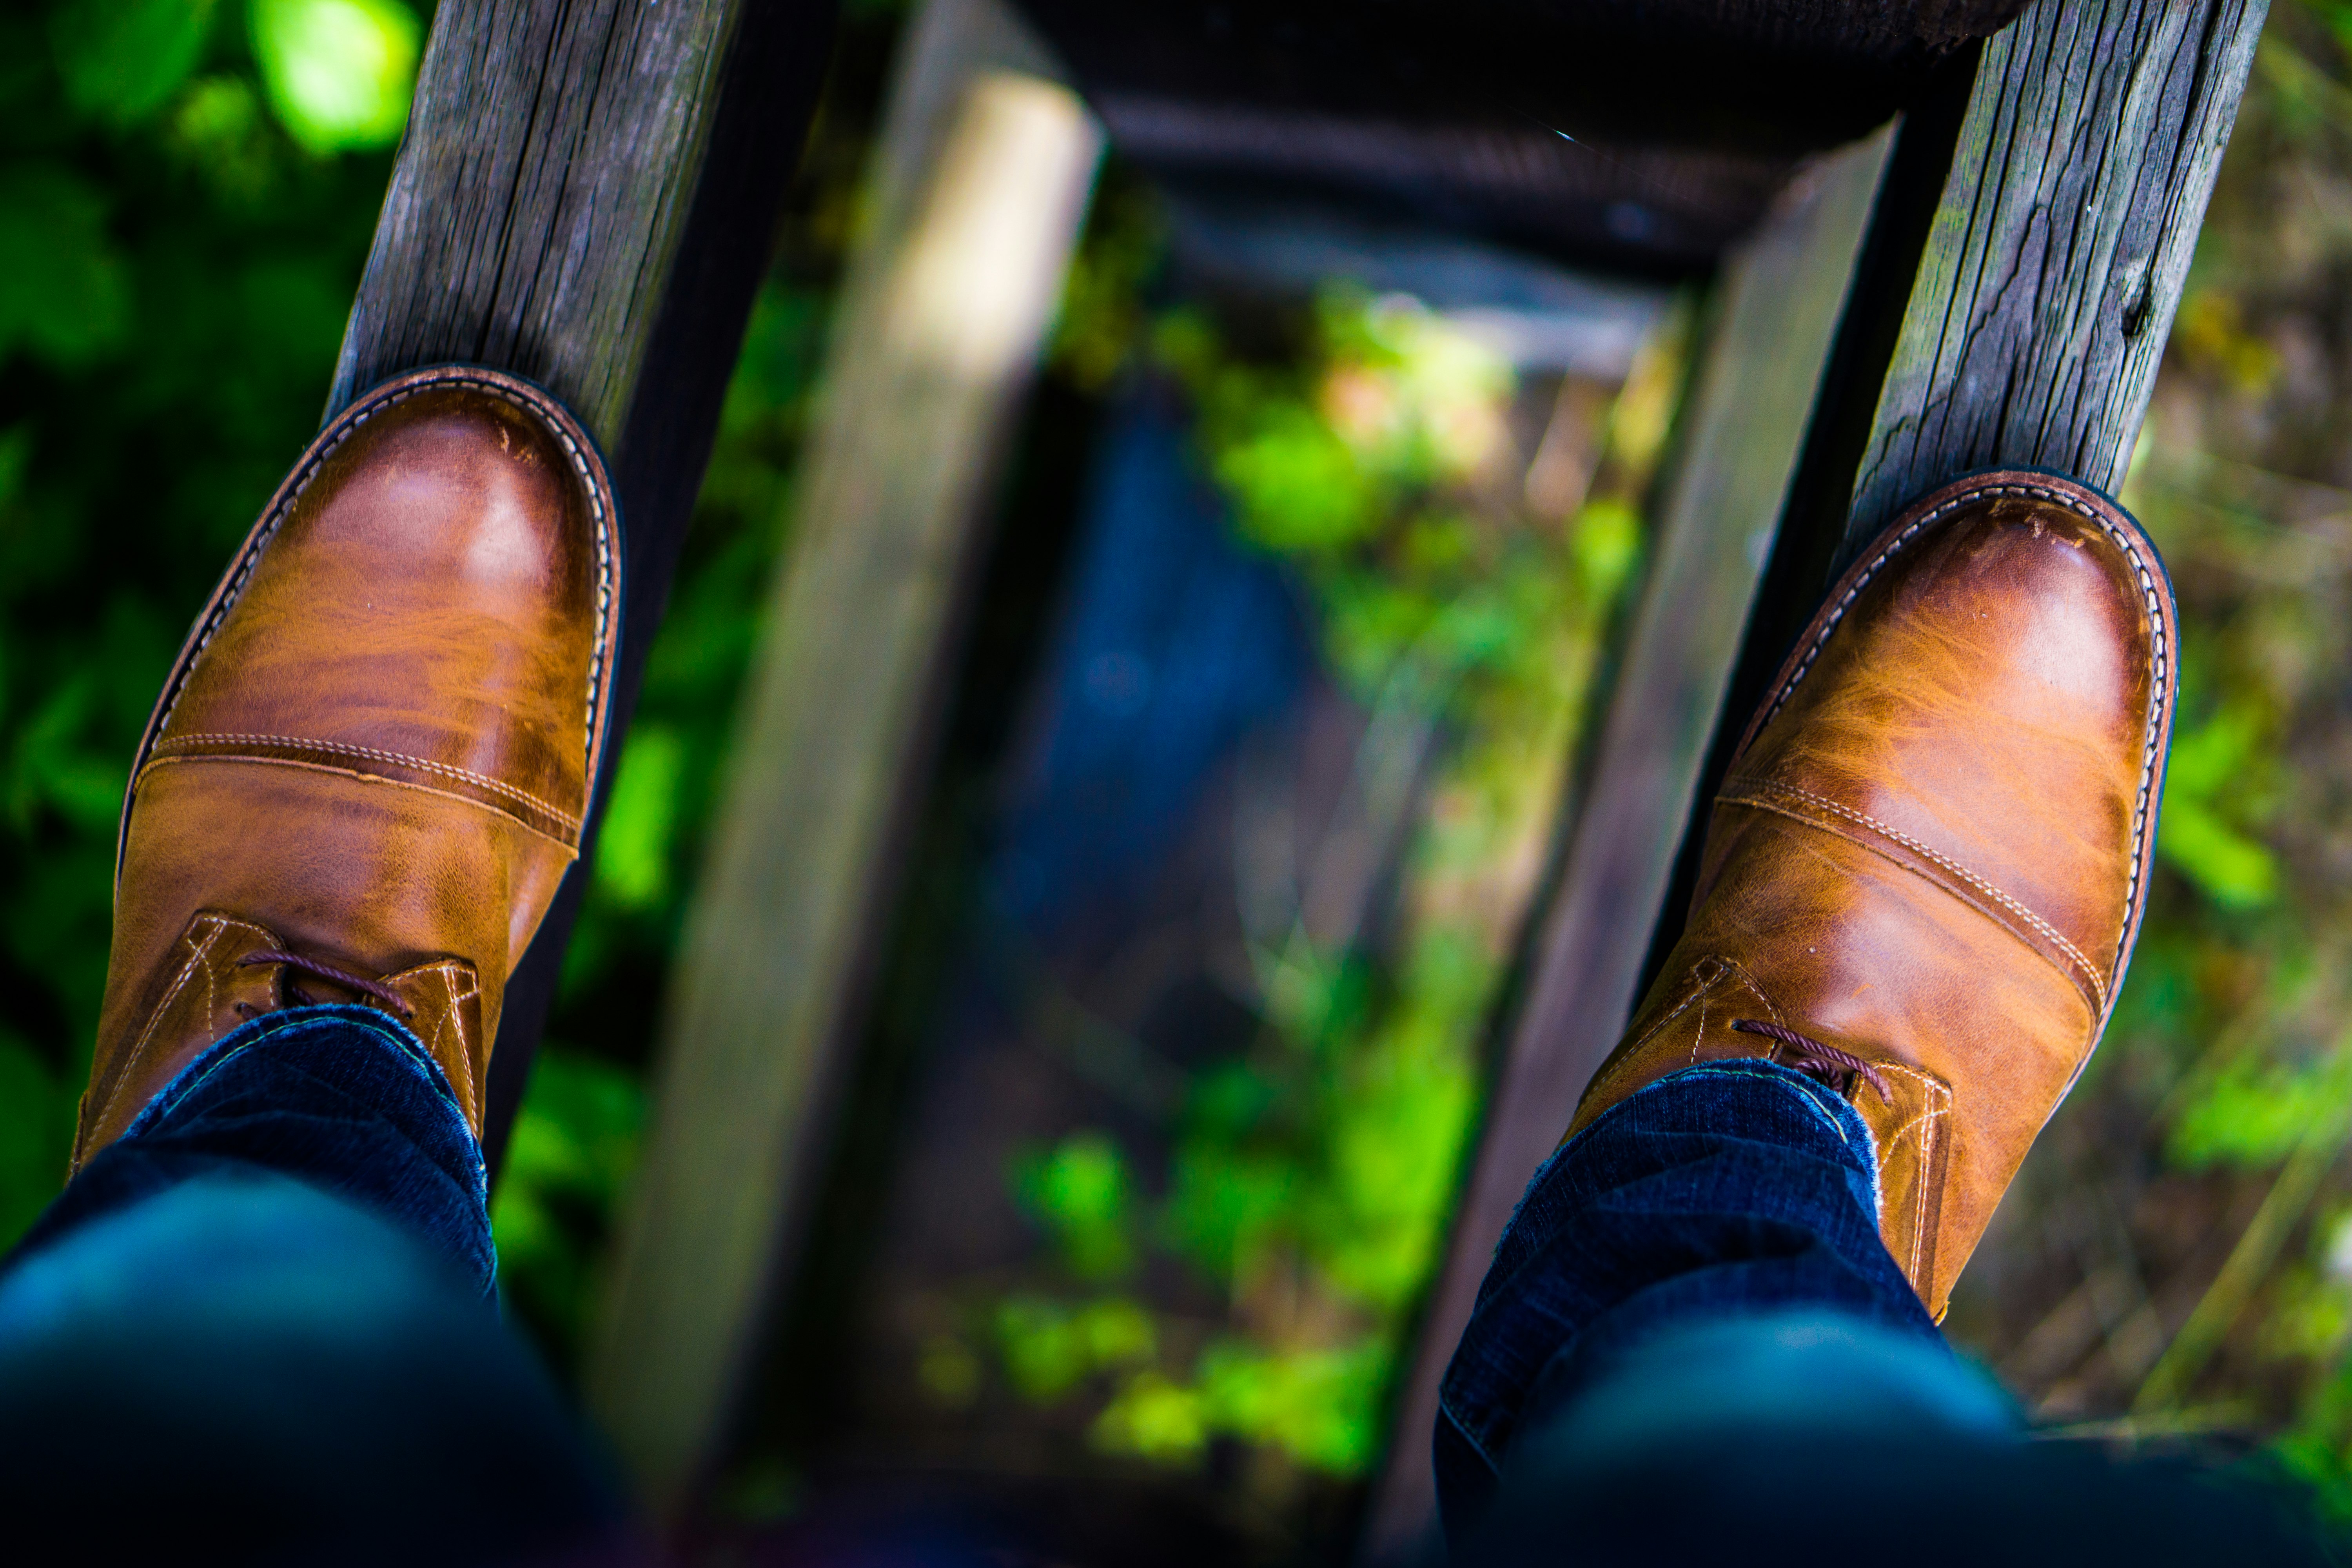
x=1827, y=1064
x=295, y=961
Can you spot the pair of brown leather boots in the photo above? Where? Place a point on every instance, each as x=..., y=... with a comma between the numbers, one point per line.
x=369, y=766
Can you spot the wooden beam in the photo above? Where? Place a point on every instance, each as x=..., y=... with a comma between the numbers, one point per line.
x=2040, y=309
x=584, y=196
x=2022, y=322
x=2016, y=317
x=540, y=196
x=978, y=191
x=1778, y=306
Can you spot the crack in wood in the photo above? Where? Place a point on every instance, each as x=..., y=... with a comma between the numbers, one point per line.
x=534, y=212
x=2055, y=265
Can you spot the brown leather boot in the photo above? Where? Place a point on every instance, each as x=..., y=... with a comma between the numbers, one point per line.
x=367, y=770
x=1925, y=871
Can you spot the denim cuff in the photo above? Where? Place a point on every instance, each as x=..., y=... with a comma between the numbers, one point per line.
x=1726, y=1189
x=341, y=1096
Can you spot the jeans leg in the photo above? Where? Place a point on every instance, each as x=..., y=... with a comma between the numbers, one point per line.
x=257, y=1329
x=341, y=1097
x=1727, y=1189
x=1693, y=1350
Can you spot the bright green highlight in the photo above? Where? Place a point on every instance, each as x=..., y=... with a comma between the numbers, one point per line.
x=339, y=72
x=633, y=847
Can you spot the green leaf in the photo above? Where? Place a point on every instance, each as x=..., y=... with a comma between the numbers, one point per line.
x=65, y=292
x=2229, y=867
x=1081, y=1192
x=1154, y=1419
x=1050, y=1348
x=1319, y=1405
x=1606, y=545
x=633, y=847
x=577, y=1130
x=1297, y=487
x=573, y=1149
x=1223, y=1205
x=122, y=59
x=2252, y=1114
x=339, y=72
x=2214, y=788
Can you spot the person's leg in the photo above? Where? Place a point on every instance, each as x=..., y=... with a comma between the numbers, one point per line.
x=1709, y=1331
x=1735, y=1189
x=258, y=1325
x=341, y=1097
x=270, y=1302
x=1804, y=1436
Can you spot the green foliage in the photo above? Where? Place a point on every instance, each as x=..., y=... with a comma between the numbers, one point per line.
x=1306, y=1181
x=339, y=71
x=35, y=1134
x=1103, y=315
x=2255, y=1113
x=65, y=290
x=570, y=1156
x=1320, y=1408
x=174, y=269
x=2217, y=794
x=1081, y=1193
x=633, y=846
x=122, y=59
x=1050, y=1348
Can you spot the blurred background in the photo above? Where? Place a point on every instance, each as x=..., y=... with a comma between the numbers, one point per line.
x=1309, y=563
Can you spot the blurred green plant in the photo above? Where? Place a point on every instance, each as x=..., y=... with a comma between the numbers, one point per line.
x=569, y=1157
x=1311, y=1177
x=2217, y=794
x=122, y=59
x=1080, y=1191
x=187, y=192
x=176, y=263
x=339, y=71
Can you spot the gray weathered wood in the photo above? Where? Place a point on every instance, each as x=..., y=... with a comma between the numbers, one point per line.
x=584, y=196
x=978, y=188
x=538, y=198
x=2040, y=309
x=1781, y=302
x=2018, y=315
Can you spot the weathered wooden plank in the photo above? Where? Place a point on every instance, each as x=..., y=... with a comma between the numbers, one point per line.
x=583, y=197
x=2042, y=307
x=540, y=196
x=1631, y=78
x=1781, y=302
x=978, y=188
x=2022, y=322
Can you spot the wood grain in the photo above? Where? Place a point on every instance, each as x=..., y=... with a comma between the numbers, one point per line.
x=1781, y=298
x=2022, y=277
x=538, y=198
x=2040, y=309
x=584, y=196
x=977, y=190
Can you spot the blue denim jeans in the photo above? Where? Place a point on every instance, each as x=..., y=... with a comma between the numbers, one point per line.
x=261, y=1328
x=1693, y=1348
